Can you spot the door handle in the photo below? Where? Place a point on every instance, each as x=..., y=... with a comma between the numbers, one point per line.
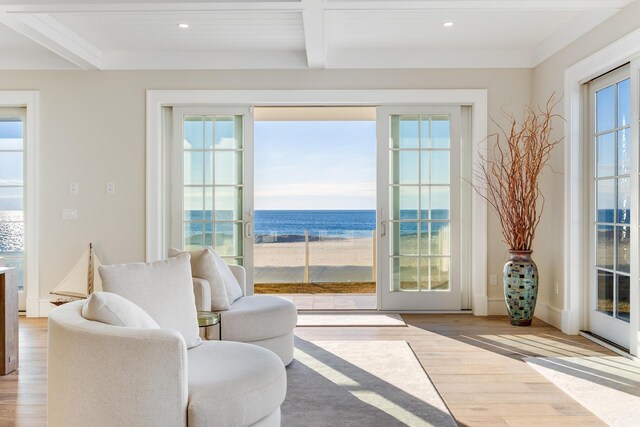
x=383, y=228
x=247, y=230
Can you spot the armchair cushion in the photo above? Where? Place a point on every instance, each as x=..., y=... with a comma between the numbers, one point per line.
x=258, y=317
x=203, y=265
x=115, y=310
x=234, y=291
x=163, y=289
x=233, y=384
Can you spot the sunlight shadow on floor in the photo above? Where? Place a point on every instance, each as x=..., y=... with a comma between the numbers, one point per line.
x=326, y=388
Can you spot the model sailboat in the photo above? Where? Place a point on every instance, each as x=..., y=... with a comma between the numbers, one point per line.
x=82, y=280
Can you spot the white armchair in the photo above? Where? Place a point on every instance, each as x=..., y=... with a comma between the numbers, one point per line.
x=104, y=375
x=264, y=320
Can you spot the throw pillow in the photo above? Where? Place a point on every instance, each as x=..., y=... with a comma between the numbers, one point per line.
x=163, y=289
x=203, y=265
x=115, y=310
x=234, y=291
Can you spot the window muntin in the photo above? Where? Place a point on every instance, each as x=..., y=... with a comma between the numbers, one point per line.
x=420, y=192
x=212, y=184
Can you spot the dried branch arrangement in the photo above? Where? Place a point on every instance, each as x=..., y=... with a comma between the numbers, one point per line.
x=509, y=176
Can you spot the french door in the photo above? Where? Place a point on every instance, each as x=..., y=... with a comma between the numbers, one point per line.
x=212, y=182
x=418, y=214
x=610, y=207
x=12, y=194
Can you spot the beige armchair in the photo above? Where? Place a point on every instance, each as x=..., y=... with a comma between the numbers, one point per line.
x=264, y=320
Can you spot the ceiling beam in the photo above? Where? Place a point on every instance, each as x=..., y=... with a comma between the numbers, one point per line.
x=314, y=40
x=65, y=6
x=551, y=5
x=53, y=35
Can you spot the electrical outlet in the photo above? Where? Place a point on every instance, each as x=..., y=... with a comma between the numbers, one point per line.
x=74, y=188
x=110, y=188
x=69, y=214
x=493, y=280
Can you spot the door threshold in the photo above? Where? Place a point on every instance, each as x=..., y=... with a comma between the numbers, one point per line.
x=337, y=311
x=374, y=311
x=609, y=345
x=429, y=311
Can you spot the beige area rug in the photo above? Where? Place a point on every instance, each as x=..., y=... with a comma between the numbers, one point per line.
x=608, y=386
x=354, y=319
x=360, y=383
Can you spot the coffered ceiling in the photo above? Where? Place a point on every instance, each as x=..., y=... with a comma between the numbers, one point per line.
x=291, y=34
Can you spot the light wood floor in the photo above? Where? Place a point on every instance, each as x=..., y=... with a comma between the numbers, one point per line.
x=332, y=301
x=475, y=363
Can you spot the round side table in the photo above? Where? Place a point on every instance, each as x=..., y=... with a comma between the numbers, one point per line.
x=206, y=319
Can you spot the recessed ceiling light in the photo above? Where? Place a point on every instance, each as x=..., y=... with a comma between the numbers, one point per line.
x=183, y=25
x=447, y=24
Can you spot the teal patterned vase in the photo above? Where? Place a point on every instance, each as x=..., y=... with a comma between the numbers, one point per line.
x=520, y=287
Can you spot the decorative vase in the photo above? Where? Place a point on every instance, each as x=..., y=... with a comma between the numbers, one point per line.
x=520, y=287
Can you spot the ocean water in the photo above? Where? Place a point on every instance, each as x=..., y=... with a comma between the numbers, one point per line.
x=11, y=233
x=345, y=223
x=319, y=223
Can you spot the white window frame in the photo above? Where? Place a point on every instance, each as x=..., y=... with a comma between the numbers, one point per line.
x=613, y=329
x=30, y=101
x=158, y=99
x=457, y=259
x=576, y=220
x=175, y=236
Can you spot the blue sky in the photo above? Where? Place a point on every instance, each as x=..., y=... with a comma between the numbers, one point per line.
x=315, y=165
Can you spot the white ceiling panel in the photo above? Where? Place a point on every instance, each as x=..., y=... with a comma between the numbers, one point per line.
x=485, y=29
x=293, y=34
x=208, y=31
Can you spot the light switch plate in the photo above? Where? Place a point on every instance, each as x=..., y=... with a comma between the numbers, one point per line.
x=493, y=280
x=110, y=188
x=69, y=214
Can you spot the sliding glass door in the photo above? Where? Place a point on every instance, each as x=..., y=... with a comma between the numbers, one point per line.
x=610, y=202
x=419, y=253
x=418, y=208
x=211, y=184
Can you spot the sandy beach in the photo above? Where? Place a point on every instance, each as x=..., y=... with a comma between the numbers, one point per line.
x=338, y=252
x=346, y=260
x=332, y=260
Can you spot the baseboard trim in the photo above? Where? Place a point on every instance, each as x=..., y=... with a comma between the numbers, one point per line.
x=497, y=306
x=45, y=307
x=480, y=306
x=33, y=307
x=544, y=311
x=549, y=314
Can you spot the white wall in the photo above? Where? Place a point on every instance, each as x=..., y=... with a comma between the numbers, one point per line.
x=93, y=131
x=548, y=77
